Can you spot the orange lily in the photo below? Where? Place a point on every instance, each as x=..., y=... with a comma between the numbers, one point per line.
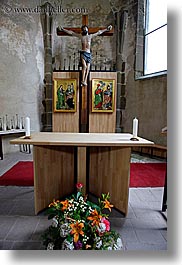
x=95, y=217
x=65, y=204
x=54, y=203
x=77, y=230
x=108, y=205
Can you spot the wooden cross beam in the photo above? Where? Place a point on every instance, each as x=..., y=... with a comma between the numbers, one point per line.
x=90, y=30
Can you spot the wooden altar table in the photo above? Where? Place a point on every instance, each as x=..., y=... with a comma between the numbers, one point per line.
x=101, y=161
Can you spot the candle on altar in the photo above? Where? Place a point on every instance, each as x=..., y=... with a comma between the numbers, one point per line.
x=135, y=127
x=27, y=126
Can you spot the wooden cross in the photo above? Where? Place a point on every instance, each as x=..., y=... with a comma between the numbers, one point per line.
x=91, y=30
x=84, y=93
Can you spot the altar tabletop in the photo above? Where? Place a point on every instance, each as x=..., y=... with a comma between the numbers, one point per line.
x=81, y=139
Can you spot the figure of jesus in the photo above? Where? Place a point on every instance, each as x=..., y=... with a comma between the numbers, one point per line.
x=85, y=53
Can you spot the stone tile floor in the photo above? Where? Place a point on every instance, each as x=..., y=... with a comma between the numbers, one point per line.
x=144, y=228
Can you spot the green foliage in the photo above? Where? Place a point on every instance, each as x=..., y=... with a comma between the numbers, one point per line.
x=79, y=224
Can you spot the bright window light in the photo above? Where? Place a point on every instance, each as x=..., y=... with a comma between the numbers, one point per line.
x=155, y=37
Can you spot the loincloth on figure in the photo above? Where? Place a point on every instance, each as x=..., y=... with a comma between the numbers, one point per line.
x=87, y=56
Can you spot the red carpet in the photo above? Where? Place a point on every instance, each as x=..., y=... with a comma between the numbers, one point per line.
x=141, y=175
x=147, y=174
x=20, y=174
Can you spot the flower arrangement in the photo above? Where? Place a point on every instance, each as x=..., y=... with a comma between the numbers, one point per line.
x=79, y=224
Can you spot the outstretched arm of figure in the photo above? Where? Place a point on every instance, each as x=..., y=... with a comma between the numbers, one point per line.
x=102, y=31
x=69, y=32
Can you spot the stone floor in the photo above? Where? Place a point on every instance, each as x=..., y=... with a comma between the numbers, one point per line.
x=144, y=228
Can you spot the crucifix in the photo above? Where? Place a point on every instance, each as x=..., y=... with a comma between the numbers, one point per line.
x=85, y=68
x=85, y=35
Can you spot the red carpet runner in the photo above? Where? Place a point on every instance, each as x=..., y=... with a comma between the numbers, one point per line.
x=147, y=174
x=141, y=175
x=20, y=174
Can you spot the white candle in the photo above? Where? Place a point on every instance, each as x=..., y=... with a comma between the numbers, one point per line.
x=20, y=125
x=4, y=126
x=135, y=127
x=27, y=126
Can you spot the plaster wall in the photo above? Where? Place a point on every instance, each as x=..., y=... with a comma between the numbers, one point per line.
x=21, y=64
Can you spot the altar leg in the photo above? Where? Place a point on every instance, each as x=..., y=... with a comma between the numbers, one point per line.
x=53, y=174
x=109, y=171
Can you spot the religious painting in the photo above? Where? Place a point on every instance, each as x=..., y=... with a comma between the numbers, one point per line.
x=65, y=95
x=103, y=95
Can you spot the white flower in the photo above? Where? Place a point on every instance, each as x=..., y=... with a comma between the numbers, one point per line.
x=54, y=222
x=99, y=244
x=101, y=228
x=109, y=248
x=119, y=244
x=64, y=230
x=98, y=241
x=50, y=246
x=84, y=240
x=81, y=199
x=67, y=245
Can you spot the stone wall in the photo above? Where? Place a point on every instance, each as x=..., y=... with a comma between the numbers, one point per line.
x=145, y=99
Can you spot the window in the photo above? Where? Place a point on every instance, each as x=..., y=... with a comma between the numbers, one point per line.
x=151, y=42
x=155, y=36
